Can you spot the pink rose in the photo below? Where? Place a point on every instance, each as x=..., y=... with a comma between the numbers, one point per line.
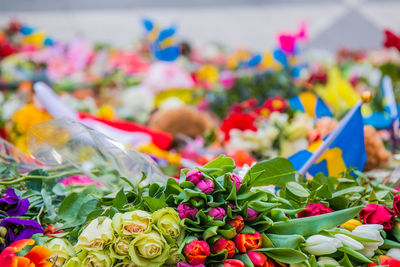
x=206, y=186
x=194, y=176
x=185, y=211
x=217, y=213
x=313, y=210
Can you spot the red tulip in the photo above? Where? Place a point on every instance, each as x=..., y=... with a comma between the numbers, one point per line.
x=222, y=244
x=259, y=259
x=197, y=251
x=246, y=242
x=237, y=223
x=385, y=260
x=233, y=263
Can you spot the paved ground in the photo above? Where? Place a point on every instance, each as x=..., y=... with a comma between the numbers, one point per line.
x=250, y=23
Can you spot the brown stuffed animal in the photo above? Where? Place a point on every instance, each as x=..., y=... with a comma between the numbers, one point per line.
x=183, y=120
x=377, y=155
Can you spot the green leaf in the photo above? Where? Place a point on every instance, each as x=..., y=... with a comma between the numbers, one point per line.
x=396, y=231
x=155, y=203
x=296, y=189
x=315, y=224
x=218, y=166
x=277, y=171
x=70, y=206
x=286, y=241
x=356, y=255
x=388, y=244
x=345, y=262
x=353, y=189
x=323, y=192
x=245, y=259
x=120, y=199
x=210, y=232
x=285, y=255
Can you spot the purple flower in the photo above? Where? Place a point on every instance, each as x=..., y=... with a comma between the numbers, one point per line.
x=217, y=213
x=185, y=211
x=206, y=186
x=18, y=229
x=12, y=204
x=194, y=176
x=237, y=180
x=184, y=264
x=251, y=215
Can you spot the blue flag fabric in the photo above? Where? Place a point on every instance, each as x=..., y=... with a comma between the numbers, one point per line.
x=311, y=104
x=347, y=150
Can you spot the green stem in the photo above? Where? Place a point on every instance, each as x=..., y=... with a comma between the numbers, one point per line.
x=36, y=177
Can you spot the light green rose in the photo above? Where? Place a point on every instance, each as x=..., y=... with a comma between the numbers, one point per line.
x=174, y=257
x=119, y=248
x=132, y=223
x=96, y=235
x=149, y=249
x=168, y=222
x=97, y=259
x=61, y=251
x=125, y=263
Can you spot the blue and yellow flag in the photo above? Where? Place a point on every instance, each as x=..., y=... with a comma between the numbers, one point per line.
x=346, y=150
x=163, y=44
x=311, y=104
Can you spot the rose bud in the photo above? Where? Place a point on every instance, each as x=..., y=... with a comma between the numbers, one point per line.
x=222, y=244
x=206, y=186
x=217, y=213
x=377, y=214
x=396, y=205
x=237, y=181
x=233, y=263
x=194, y=176
x=185, y=211
x=237, y=223
x=196, y=252
x=259, y=259
x=313, y=210
x=251, y=215
x=246, y=242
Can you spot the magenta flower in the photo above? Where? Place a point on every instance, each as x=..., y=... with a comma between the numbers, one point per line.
x=185, y=211
x=206, y=186
x=251, y=215
x=12, y=204
x=217, y=213
x=237, y=180
x=194, y=176
x=18, y=229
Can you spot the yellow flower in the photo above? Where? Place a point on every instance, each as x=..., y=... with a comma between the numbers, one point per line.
x=27, y=116
x=152, y=149
x=351, y=224
x=208, y=73
x=106, y=112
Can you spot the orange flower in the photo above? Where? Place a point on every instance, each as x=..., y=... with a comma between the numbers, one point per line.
x=36, y=257
x=385, y=260
x=246, y=242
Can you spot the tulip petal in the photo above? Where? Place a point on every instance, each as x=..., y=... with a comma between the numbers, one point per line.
x=38, y=254
x=20, y=244
x=8, y=258
x=24, y=262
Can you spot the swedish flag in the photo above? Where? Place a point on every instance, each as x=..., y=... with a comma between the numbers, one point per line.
x=345, y=148
x=311, y=104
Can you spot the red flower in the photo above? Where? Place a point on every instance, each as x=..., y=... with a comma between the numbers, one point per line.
x=377, y=214
x=241, y=121
x=197, y=251
x=246, y=242
x=50, y=230
x=222, y=244
x=385, y=260
x=35, y=257
x=396, y=205
x=233, y=263
x=259, y=259
x=275, y=104
x=237, y=223
x=313, y=210
x=391, y=40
